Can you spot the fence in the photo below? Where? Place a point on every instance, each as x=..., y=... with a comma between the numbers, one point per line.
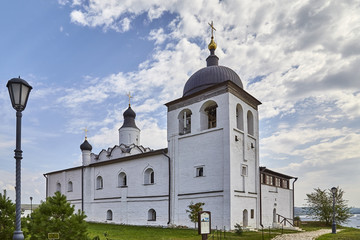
x=221, y=234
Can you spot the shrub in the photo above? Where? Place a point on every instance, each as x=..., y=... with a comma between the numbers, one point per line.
x=238, y=229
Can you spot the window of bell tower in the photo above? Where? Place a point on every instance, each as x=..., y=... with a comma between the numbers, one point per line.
x=239, y=117
x=185, y=121
x=208, y=115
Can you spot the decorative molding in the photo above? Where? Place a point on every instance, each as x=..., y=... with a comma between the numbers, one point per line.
x=107, y=198
x=187, y=194
x=148, y=196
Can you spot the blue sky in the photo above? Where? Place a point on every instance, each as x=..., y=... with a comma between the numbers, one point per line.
x=299, y=58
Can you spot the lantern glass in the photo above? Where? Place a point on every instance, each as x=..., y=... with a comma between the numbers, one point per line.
x=19, y=91
x=334, y=190
x=24, y=94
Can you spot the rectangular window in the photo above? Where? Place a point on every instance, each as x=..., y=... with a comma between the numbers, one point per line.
x=271, y=181
x=285, y=183
x=252, y=213
x=267, y=179
x=244, y=170
x=200, y=171
x=277, y=182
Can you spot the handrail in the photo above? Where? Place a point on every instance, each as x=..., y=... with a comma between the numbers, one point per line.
x=284, y=220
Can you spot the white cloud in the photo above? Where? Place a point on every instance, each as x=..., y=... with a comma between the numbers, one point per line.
x=78, y=17
x=157, y=35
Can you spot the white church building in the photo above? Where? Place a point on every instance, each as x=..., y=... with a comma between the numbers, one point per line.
x=212, y=157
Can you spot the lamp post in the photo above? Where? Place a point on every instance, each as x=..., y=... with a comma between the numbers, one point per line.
x=333, y=190
x=31, y=207
x=19, y=91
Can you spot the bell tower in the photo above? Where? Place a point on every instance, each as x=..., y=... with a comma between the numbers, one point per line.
x=213, y=143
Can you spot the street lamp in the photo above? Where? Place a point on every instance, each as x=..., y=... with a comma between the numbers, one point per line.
x=31, y=207
x=333, y=190
x=19, y=91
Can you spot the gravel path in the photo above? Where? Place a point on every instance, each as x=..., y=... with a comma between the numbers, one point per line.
x=303, y=235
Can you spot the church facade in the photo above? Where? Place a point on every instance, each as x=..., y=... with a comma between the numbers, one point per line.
x=212, y=157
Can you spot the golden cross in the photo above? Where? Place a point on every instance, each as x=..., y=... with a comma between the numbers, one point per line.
x=129, y=96
x=212, y=29
x=86, y=130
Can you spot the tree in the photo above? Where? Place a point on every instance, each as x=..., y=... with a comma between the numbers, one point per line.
x=56, y=215
x=7, y=217
x=320, y=205
x=194, y=209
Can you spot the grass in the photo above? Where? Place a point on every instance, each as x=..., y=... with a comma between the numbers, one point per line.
x=313, y=225
x=345, y=234
x=120, y=232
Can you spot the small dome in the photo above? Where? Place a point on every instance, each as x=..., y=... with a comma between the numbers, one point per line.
x=85, y=146
x=209, y=76
x=129, y=113
x=129, y=118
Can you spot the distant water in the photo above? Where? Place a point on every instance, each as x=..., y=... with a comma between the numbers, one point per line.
x=353, y=221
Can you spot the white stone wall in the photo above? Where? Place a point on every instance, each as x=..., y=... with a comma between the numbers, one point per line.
x=137, y=197
x=129, y=135
x=200, y=148
x=276, y=198
x=130, y=205
x=244, y=152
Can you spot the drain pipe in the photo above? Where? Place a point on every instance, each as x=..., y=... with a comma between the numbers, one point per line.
x=82, y=188
x=47, y=185
x=294, y=198
x=261, y=171
x=169, y=204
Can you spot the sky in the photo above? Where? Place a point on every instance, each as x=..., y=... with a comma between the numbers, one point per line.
x=301, y=59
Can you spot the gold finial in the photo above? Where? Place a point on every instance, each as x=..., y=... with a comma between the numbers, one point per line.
x=212, y=44
x=129, y=96
x=86, y=130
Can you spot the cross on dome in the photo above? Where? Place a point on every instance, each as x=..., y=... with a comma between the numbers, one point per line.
x=212, y=29
x=129, y=96
x=85, y=130
x=212, y=44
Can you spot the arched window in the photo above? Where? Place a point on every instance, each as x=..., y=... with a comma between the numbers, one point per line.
x=149, y=176
x=58, y=187
x=122, y=180
x=239, y=117
x=70, y=186
x=151, y=215
x=208, y=115
x=99, y=182
x=245, y=218
x=185, y=121
x=250, y=123
x=274, y=215
x=109, y=215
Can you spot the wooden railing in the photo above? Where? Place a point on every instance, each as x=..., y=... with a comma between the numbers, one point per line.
x=283, y=220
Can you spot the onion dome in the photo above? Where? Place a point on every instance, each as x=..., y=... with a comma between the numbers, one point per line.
x=129, y=118
x=210, y=75
x=85, y=146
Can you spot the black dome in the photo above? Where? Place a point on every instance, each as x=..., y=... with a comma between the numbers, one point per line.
x=129, y=113
x=85, y=146
x=209, y=76
x=129, y=118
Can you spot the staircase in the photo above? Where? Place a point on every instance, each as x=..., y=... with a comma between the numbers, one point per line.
x=285, y=223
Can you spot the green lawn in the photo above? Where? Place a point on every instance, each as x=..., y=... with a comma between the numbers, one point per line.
x=344, y=234
x=119, y=232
